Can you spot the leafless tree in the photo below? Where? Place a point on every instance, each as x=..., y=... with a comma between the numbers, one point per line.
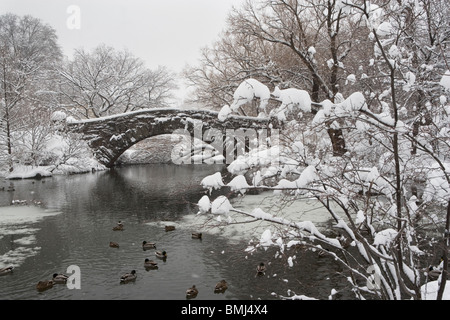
x=393, y=142
x=28, y=51
x=310, y=45
x=106, y=81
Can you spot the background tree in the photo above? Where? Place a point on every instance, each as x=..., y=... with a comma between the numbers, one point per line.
x=28, y=54
x=302, y=44
x=106, y=81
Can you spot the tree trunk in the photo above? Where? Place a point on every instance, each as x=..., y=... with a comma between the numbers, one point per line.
x=337, y=141
x=336, y=135
x=8, y=140
x=7, y=122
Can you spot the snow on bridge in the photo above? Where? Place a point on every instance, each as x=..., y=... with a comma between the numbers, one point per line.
x=110, y=136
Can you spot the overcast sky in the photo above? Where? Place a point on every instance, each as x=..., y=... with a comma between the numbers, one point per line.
x=161, y=32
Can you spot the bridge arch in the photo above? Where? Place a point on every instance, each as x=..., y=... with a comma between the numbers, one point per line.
x=109, y=137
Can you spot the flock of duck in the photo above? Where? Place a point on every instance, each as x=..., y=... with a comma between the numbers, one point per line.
x=149, y=264
x=43, y=284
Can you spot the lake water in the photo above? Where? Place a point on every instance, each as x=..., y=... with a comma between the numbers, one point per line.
x=74, y=225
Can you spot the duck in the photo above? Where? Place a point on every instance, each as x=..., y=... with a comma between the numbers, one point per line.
x=191, y=292
x=221, y=286
x=118, y=227
x=127, y=277
x=260, y=269
x=196, y=235
x=169, y=228
x=150, y=264
x=161, y=254
x=60, y=278
x=148, y=245
x=6, y=270
x=113, y=244
x=44, y=285
x=433, y=273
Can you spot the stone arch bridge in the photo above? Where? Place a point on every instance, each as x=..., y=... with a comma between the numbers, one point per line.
x=110, y=136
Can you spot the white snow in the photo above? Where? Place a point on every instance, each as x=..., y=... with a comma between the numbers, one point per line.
x=385, y=29
x=330, y=63
x=312, y=51
x=385, y=237
x=266, y=239
x=221, y=205
x=430, y=290
x=445, y=80
x=437, y=187
x=25, y=172
x=292, y=100
x=213, y=181
x=354, y=102
x=256, y=157
x=204, y=204
x=410, y=79
x=58, y=116
x=224, y=113
x=257, y=178
x=260, y=214
x=239, y=183
x=360, y=217
x=247, y=91
x=290, y=262
x=351, y=78
x=308, y=175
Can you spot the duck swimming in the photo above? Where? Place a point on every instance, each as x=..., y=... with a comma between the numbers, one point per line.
x=196, y=235
x=44, y=285
x=221, y=286
x=118, y=227
x=113, y=244
x=127, y=277
x=169, y=228
x=191, y=292
x=6, y=270
x=60, y=278
x=148, y=245
x=161, y=254
x=150, y=264
x=260, y=269
x=434, y=272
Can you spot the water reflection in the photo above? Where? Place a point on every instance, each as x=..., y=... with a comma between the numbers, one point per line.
x=144, y=198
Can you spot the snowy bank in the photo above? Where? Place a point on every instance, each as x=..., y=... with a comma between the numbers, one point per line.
x=27, y=172
x=430, y=290
x=37, y=172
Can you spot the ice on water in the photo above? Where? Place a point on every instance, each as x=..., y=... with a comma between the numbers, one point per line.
x=18, y=227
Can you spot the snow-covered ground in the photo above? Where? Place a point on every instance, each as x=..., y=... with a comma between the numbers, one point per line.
x=430, y=290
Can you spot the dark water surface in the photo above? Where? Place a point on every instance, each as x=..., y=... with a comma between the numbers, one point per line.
x=76, y=228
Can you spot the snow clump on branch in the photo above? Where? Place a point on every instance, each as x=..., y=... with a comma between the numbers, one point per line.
x=291, y=99
x=247, y=91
